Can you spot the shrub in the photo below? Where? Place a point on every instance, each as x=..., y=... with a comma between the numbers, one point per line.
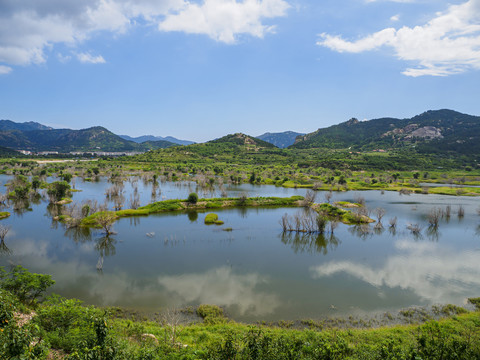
x=475, y=302
x=211, y=218
x=26, y=286
x=7, y=308
x=58, y=190
x=211, y=314
x=68, y=324
x=192, y=198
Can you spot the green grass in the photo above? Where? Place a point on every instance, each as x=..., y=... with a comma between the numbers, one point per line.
x=211, y=218
x=202, y=204
x=347, y=217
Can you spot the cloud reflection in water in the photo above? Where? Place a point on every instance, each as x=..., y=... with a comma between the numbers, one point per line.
x=222, y=287
x=432, y=273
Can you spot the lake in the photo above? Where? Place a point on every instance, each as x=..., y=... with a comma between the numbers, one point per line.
x=254, y=271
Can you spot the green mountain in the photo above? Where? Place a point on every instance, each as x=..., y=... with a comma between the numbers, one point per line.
x=242, y=140
x=440, y=131
x=281, y=140
x=65, y=140
x=6, y=125
x=145, y=138
x=234, y=148
x=8, y=153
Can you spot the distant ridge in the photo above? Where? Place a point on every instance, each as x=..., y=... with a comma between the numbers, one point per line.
x=281, y=139
x=434, y=131
x=144, y=138
x=36, y=137
x=6, y=125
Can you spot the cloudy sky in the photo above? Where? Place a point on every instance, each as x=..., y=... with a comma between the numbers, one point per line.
x=200, y=69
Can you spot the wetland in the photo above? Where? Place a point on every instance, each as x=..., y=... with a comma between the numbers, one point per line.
x=248, y=265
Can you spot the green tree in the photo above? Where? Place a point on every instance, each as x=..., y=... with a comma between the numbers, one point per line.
x=26, y=286
x=67, y=177
x=35, y=183
x=58, y=190
x=105, y=220
x=192, y=198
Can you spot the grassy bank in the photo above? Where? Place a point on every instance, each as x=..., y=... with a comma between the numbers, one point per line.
x=201, y=205
x=60, y=328
x=330, y=211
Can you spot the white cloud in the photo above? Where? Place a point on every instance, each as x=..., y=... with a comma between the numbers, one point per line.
x=223, y=20
x=90, y=59
x=30, y=28
x=447, y=44
x=395, y=18
x=64, y=58
x=431, y=273
x=5, y=69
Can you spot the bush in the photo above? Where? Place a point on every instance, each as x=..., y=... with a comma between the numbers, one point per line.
x=26, y=286
x=475, y=302
x=7, y=308
x=211, y=314
x=21, y=342
x=58, y=190
x=69, y=325
x=192, y=198
x=211, y=218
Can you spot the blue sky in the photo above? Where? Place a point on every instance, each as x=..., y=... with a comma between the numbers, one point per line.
x=201, y=69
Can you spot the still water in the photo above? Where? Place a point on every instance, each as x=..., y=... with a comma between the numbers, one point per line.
x=254, y=271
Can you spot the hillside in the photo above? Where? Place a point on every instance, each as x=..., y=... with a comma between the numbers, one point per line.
x=233, y=148
x=441, y=131
x=66, y=140
x=6, y=125
x=7, y=153
x=280, y=140
x=150, y=138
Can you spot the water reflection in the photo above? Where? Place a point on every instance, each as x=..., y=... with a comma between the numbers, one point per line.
x=4, y=248
x=192, y=216
x=21, y=206
x=79, y=234
x=105, y=246
x=145, y=267
x=311, y=243
x=135, y=221
x=363, y=231
x=433, y=234
x=434, y=274
x=238, y=292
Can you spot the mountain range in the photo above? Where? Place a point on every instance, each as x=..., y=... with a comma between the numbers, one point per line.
x=281, y=140
x=439, y=131
x=145, y=138
x=36, y=137
x=442, y=132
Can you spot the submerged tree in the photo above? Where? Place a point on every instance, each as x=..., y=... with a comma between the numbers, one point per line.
x=434, y=217
x=58, y=190
x=105, y=220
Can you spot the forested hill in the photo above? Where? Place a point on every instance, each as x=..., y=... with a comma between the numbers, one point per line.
x=65, y=140
x=6, y=125
x=231, y=148
x=440, y=131
x=151, y=138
